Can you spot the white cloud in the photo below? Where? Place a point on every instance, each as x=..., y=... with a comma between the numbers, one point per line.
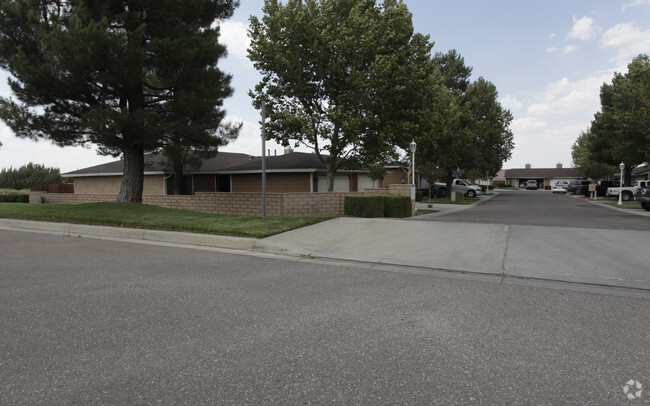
x=511, y=103
x=527, y=124
x=629, y=39
x=569, y=48
x=565, y=97
x=550, y=50
x=635, y=3
x=584, y=29
x=249, y=140
x=234, y=34
x=551, y=35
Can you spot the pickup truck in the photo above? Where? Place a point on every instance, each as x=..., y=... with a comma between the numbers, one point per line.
x=644, y=197
x=627, y=193
x=460, y=185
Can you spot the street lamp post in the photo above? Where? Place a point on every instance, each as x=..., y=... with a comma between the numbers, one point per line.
x=620, y=191
x=413, y=160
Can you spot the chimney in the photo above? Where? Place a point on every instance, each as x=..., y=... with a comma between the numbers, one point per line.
x=527, y=166
x=288, y=150
x=559, y=165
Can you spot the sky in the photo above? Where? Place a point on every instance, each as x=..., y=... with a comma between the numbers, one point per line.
x=547, y=59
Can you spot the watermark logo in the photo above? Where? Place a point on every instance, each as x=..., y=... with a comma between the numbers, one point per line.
x=633, y=389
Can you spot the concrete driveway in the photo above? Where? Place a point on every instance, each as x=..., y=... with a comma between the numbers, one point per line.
x=601, y=257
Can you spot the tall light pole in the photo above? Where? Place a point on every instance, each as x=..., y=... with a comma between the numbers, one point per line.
x=413, y=160
x=263, y=160
x=620, y=191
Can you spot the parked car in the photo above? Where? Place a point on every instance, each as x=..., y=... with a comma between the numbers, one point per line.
x=628, y=192
x=460, y=185
x=603, y=185
x=583, y=189
x=574, y=186
x=559, y=188
x=531, y=185
x=644, y=197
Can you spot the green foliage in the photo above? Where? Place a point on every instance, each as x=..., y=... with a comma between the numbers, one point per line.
x=397, y=206
x=419, y=195
x=620, y=131
x=27, y=175
x=584, y=161
x=376, y=172
x=364, y=206
x=467, y=127
x=454, y=71
x=377, y=206
x=120, y=76
x=342, y=77
x=14, y=198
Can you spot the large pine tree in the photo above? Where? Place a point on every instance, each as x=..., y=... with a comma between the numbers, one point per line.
x=106, y=72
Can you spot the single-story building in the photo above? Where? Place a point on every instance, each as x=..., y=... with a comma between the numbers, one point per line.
x=517, y=178
x=234, y=172
x=641, y=172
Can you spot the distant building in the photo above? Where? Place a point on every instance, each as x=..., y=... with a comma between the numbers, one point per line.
x=517, y=178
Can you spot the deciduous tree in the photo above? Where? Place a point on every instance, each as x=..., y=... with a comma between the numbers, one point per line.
x=340, y=76
x=620, y=131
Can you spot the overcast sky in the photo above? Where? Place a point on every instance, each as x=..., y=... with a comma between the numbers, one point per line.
x=547, y=59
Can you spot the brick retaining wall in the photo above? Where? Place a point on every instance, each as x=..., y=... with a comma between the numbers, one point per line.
x=248, y=204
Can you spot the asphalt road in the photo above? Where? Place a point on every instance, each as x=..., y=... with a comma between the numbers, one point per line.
x=86, y=321
x=542, y=208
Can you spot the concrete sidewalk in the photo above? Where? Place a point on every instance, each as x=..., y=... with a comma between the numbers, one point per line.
x=600, y=257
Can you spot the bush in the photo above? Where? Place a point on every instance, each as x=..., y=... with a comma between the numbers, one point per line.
x=377, y=206
x=15, y=198
x=419, y=195
x=364, y=206
x=27, y=175
x=397, y=206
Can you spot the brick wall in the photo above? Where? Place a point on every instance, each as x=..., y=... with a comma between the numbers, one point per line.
x=250, y=204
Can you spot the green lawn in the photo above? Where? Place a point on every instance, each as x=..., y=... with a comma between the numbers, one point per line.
x=447, y=200
x=626, y=205
x=153, y=217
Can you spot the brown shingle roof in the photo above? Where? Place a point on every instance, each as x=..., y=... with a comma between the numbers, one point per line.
x=153, y=163
x=291, y=161
x=542, y=173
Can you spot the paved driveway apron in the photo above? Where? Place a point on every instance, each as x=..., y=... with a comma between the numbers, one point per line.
x=532, y=234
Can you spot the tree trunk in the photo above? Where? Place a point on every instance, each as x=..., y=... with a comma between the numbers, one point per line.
x=133, y=175
x=178, y=181
x=331, y=174
x=450, y=179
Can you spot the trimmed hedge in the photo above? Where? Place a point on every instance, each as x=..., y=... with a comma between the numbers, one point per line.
x=17, y=198
x=377, y=206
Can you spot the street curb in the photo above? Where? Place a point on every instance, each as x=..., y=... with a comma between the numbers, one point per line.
x=459, y=208
x=640, y=212
x=175, y=237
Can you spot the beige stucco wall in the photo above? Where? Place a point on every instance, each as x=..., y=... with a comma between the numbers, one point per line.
x=110, y=185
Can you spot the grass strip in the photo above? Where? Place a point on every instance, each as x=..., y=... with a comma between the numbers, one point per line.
x=135, y=215
x=447, y=200
x=626, y=205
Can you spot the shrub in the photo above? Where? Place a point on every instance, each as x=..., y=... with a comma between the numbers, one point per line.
x=377, y=206
x=27, y=175
x=364, y=206
x=419, y=195
x=397, y=206
x=15, y=198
